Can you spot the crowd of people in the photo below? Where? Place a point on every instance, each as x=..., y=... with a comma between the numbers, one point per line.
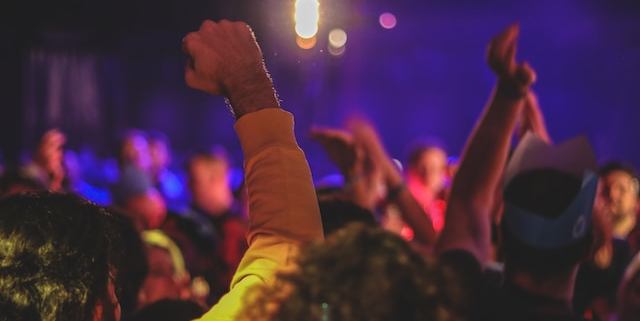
x=526, y=231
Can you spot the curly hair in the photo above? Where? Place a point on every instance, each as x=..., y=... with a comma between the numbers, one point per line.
x=358, y=273
x=56, y=257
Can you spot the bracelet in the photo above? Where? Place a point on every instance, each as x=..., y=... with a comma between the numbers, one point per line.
x=393, y=192
x=510, y=91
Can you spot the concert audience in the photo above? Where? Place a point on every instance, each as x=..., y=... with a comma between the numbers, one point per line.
x=66, y=258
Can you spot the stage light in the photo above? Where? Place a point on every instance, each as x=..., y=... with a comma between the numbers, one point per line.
x=337, y=38
x=337, y=41
x=387, y=20
x=307, y=17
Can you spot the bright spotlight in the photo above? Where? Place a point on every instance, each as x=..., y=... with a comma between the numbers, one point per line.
x=307, y=17
x=337, y=38
x=306, y=31
x=387, y=20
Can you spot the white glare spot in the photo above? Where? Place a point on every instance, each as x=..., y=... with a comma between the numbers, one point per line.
x=307, y=17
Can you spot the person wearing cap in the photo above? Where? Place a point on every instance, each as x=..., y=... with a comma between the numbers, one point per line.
x=548, y=194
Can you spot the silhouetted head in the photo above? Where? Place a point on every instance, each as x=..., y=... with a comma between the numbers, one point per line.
x=358, y=273
x=57, y=259
x=548, y=202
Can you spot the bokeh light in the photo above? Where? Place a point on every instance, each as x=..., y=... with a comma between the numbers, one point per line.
x=307, y=17
x=306, y=43
x=388, y=20
x=336, y=51
x=337, y=38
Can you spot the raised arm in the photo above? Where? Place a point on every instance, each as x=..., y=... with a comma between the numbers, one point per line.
x=362, y=178
x=412, y=213
x=472, y=195
x=225, y=59
x=533, y=119
x=363, y=160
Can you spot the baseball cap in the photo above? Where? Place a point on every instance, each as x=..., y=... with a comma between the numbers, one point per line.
x=574, y=159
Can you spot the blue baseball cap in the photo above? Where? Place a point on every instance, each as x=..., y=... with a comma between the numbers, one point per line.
x=573, y=157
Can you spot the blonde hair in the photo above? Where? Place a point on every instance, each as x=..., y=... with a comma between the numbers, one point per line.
x=159, y=239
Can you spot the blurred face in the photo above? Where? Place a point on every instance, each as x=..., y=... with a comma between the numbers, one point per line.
x=148, y=210
x=136, y=150
x=160, y=156
x=431, y=168
x=208, y=181
x=619, y=192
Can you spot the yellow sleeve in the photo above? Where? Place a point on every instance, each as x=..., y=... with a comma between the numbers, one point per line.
x=283, y=208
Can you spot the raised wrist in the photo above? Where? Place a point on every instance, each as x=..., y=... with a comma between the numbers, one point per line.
x=251, y=93
x=511, y=89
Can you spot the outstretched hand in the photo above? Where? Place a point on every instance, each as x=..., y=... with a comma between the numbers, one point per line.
x=363, y=177
x=515, y=78
x=225, y=59
x=367, y=136
x=339, y=146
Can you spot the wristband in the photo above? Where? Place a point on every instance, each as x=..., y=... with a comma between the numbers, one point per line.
x=508, y=89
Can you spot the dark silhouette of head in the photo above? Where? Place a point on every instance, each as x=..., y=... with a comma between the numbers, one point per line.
x=169, y=310
x=548, y=202
x=57, y=259
x=358, y=273
x=337, y=213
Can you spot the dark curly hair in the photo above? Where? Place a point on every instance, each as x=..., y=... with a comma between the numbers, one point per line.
x=56, y=257
x=358, y=273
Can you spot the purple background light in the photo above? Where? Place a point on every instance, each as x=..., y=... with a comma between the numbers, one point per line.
x=425, y=77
